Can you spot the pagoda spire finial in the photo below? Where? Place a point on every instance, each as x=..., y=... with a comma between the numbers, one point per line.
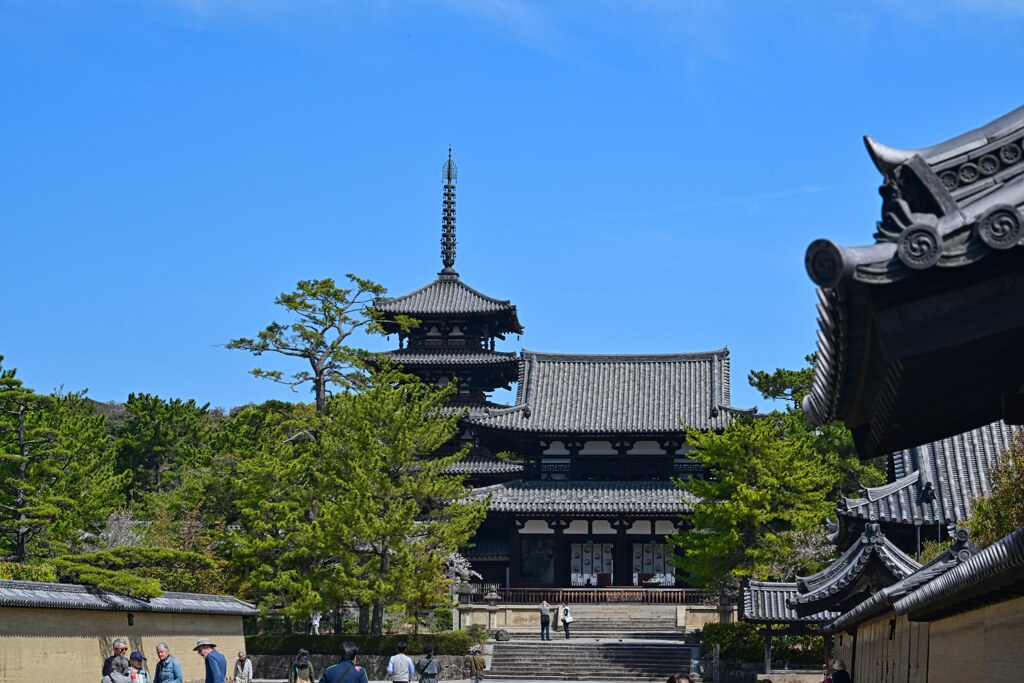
x=450, y=175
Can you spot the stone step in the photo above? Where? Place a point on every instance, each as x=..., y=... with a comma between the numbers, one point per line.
x=589, y=660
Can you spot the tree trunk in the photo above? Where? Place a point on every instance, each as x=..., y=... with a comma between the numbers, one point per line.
x=364, y=620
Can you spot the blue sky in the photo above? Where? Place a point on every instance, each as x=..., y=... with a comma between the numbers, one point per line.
x=638, y=177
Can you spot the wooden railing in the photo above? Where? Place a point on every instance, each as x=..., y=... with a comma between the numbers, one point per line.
x=576, y=596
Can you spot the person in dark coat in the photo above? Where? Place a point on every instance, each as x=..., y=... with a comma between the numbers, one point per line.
x=346, y=670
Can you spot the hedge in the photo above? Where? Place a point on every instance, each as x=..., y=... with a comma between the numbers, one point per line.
x=446, y=643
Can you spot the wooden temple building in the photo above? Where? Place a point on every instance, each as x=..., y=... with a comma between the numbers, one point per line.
x=586, y=498
x=920, y=343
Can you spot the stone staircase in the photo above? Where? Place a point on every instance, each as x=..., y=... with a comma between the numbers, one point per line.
x=591, y=659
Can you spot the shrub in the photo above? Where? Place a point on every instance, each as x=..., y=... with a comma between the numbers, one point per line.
x=20, y=571
x=449, y=643
x=477, y=632
x=744, y=642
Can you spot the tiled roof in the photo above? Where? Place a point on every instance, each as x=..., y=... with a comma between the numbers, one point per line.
x=448, y=296
x=70, y=596
x=883, y=600
x=936, y=483
x=873, y=558
x=997, y=572
x=614, y=394
x=764, y=602
x=587, y=497
x=452, y=357
x=485, y=464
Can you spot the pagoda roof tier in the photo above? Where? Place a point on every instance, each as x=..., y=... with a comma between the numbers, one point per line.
x=485, y=465
x=920, y=332
x=884, y=600
x=449, y=297
x=765, y=602
x=616, y=498
x=871, y=563
x=443, y=357
x=616, y=394
x=937, y=483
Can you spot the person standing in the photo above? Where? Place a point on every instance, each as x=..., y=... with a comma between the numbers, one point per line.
x=545, y=620
x=400, y=666
x=168, y=669
x=839, y=672
x=566, y=619
x=477, y=665
x=216, y=663
x=428, y=667
x=138, y=662
x=243, y=668
x=302, y=670
x=120, y=671
x=119, y=648
x=346, y=670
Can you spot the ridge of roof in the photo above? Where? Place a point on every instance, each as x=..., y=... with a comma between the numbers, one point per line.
x=75, y=596
x=765, y=602
x=549, y=357
x=993, y=570
x=444, y=280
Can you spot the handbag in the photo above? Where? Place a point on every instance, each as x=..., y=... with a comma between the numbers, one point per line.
x=567, y=618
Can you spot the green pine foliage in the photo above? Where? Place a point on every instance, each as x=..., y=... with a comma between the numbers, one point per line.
x=1001, y=512
x=774, y=482
x=143, y=572
x=57, y=480
x=344, y=505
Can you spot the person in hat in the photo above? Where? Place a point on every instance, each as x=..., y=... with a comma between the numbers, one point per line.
x=839, y=672
x=429, y=668
x=216, y=663
x=138, y=662
x=168, y=669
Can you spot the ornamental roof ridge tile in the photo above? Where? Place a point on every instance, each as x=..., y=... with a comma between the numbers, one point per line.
x=885, y=599
x=990, y=571
x=830, y=586
x=940, y=205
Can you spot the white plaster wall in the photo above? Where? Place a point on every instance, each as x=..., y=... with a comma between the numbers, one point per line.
x=647, y=448
x=641, y=527
x=598, y=448
x=602, y=526
x=536, y=526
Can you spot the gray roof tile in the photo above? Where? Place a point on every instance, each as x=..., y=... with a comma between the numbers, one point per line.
x=448, y=296
x=587, y=497
x=71, y=596
x=955, y=469
x=614, y=394
x=452, y=357
x=485, y=464
x=849, y=574
x=765, y=602
x=993, y=573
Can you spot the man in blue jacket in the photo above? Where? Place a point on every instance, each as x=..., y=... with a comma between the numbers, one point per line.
x=346, y=670
x=216, y=664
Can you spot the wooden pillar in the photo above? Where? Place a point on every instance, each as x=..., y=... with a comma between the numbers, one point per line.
x=562, y=567
x=623, y=554
x=514, y=553
x=767, y=649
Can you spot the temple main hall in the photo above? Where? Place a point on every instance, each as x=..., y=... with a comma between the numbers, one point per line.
x=582, y=492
